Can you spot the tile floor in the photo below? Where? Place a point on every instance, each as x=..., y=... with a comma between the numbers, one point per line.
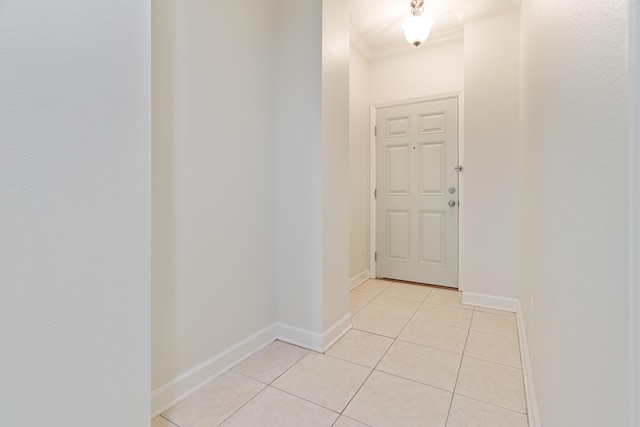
x=416, y=356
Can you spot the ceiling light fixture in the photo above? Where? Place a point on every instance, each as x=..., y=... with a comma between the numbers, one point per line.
x=417, y=27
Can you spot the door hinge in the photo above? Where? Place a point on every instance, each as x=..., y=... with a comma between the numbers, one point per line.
x=375, y=193
x=375, y=256
x=459, y=168
x=375, y=131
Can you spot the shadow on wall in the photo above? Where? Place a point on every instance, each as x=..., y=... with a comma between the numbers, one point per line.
x=163, y=271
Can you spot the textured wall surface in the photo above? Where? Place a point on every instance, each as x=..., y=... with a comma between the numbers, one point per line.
x=74, y=213
x=574, y=208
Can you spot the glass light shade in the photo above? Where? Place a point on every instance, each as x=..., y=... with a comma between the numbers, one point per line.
x=416, y=29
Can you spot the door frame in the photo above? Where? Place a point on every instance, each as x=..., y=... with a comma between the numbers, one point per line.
x=373, y=174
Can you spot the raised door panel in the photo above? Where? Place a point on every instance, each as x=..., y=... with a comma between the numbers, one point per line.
x=432, y=164
x=432, y=234
x=397, y=127
x=432, y=123
x=398, y=224
x=398, y=170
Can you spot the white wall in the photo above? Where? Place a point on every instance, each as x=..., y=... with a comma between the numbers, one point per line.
x=359, y=170
x=335, y=169
x=634, y=215
x=312, y=265
x=213, y=187
x=75, y=191
x=574, y=209
x=427, y=72
x=250, y=209
x=298, y=154
x=490, y=198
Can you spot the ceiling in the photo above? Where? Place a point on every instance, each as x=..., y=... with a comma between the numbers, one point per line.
x=376, y=31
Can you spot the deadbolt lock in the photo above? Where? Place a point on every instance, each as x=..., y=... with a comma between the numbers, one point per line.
x=452, y=190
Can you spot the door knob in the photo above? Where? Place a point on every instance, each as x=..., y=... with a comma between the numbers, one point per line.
x=452, y=203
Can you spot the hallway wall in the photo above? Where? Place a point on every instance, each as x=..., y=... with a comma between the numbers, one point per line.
x=359, y=169
x=74, y=215
x=574, y=209
x=490, y=200
x=213, y=260
x=250, y=161
x=311, y=152
x=427, y=72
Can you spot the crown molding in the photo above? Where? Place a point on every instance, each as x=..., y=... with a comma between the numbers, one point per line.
x=402, y=49
x=498, y=12
x=359, y=45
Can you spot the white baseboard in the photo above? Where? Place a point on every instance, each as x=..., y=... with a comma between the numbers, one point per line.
x=314, y=340
x=173, y=392
x=490, y=301
x=336, y=332
x=359, y=278
x=512, y=304
x=300, y=337
x=169, y=394
x=530, y=393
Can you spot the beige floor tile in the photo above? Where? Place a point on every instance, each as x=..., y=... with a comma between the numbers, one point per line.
x=467, y=412
x=404, y=290
x=394, y=305
x=494, y=324
x=271, y=362
x=436, y=335
x=387, y=400
x=348, y=422
x=495, y=311
x=423, y=364
x=215, y=402
x=353, y=309
x=447, y=297
x=493, y=348
x=323, y=380
x=451, y=316
x=275, y=408
x=378, y=322
x=161, y=422
x=373, y=285
x=360, y=347
x=492, y=383
x=360, y=299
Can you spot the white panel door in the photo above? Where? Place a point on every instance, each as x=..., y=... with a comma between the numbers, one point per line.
x=417, y=229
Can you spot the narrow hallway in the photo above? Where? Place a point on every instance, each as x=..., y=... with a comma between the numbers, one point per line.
x=416, y=356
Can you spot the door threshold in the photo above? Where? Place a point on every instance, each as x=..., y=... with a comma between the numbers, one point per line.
x=427, y=285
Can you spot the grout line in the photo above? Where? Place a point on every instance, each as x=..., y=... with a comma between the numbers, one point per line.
x=431, y=347
x=349, y=418
x=266, y=385
x=455, y=385
x=168, y=420
x=244, y=404
x=376, y=365
x=356, y=393
x=491, y=361
x=306, y=400
x=493, y=404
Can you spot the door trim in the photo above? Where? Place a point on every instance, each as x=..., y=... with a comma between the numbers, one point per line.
x=372, y=168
